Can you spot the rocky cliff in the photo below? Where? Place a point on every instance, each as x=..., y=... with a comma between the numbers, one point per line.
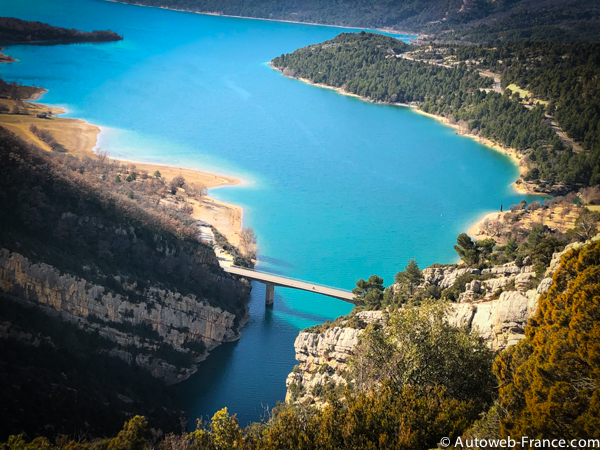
x=498, y=306
x=182, y=327
x=121, y=267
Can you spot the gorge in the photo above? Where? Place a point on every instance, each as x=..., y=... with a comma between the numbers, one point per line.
x=315, y=165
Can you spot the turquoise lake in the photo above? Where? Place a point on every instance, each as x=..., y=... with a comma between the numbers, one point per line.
x=336, y=188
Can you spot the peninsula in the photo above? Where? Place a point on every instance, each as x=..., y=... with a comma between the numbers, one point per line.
x=541, y=131
x=17, y=31
x=39, y=125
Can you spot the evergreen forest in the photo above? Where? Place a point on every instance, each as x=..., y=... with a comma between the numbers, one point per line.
x=468, y=21
x=446, y=81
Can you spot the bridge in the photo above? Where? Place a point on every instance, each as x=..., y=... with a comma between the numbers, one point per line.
x=271, y=280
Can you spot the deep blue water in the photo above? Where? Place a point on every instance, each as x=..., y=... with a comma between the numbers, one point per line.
x=336, y=188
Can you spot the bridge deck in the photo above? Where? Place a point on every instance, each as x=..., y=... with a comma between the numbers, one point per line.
x=278, y=280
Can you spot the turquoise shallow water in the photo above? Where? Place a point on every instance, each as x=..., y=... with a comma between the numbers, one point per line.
x=336, y=188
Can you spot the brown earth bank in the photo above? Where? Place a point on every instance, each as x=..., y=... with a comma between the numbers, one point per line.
x=559, y=215
x=6, y=58
x=79, y=138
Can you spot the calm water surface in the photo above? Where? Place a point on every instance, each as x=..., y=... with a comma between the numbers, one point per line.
x=336, y=188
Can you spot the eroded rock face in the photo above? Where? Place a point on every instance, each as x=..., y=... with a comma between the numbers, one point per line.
x=500, y=322
x=498, y=308
x=324, y=356
x=162, y=318
x=445, y=276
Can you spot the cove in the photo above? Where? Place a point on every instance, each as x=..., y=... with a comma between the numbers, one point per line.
x=336, y=188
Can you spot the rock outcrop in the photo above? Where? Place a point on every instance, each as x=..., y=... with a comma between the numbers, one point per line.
x=323, y=357
x=498, y=305
x=155, y=331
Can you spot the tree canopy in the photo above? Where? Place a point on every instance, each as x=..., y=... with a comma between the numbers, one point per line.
x=550, y=382
x=562, y=75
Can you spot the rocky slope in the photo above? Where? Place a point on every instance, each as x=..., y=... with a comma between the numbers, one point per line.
x=497, y=307
x=182, y=325
x=119, y=266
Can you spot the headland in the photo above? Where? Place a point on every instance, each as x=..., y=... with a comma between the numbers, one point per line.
x=80, y=138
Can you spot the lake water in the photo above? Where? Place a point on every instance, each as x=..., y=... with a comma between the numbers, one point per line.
x=336, y=189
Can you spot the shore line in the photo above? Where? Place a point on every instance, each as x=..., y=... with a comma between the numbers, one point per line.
x=81, y=139
x=472, y=229
x=208, y=13
x=510, y=152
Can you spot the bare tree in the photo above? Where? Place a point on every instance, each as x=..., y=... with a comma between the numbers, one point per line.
x=586, y=225
x=518, y=233
x=196, y=190
x=563, y=213
x=102, y=155
x=590, y=195
x=248, y=242
x=496, y=227
x=485, y=225
x=511, y=217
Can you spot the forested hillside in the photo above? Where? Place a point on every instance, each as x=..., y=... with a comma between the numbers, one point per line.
x=564, y=75
x=448, y=84
x=468, y=20
x=14, y=30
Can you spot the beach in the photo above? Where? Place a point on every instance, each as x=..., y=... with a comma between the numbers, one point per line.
x=80, y=138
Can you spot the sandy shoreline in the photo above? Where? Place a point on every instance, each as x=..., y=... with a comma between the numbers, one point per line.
x=474, y=230
x=80, y=138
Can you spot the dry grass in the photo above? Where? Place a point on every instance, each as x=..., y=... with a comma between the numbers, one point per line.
x=524, y=93
x=500, y=226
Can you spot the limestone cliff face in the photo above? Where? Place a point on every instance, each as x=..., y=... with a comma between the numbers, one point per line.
x=498, y=307
x=177, y=325
x=323, y=358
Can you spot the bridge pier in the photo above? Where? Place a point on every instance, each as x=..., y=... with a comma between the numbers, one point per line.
x=269, y=294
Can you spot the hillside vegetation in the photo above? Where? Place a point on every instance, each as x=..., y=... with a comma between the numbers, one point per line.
x=485, y=21
x=421, y=379
x=77, y=216
x=106, y=293
x=14, y=31
x=445, y=81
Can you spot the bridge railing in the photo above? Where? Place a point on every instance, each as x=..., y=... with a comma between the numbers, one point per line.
x=292, y=279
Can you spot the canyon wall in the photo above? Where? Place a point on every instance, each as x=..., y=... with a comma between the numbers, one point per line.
x=158, y=331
